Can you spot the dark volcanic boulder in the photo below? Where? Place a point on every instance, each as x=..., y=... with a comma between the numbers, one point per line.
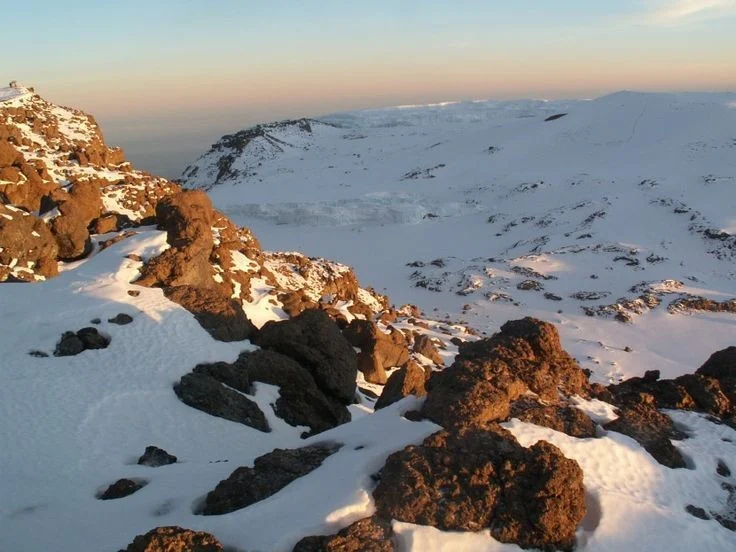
x=371, y=534
x=315, y=342
x=200, y=390
x=378, y=350
x=409, y=380
x=565, y=419
x=155, y=457
x=652, y=430
x=221, y=316
x=174, y=539
x=270, y=473
x=722, y=366
x=74, y=343
x=483, y=478
x=121, y=488
x=300, y=402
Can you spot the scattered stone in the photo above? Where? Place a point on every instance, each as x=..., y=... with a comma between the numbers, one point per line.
x=96, y=321
x=93, y=339
x=155, y=457
x=270, y=473
x=533, y=496
x=134, y=292
x=696, y=511
x=121, y=488
x=174, y=539
x=552, y=296
x=120, y=319
x=38, y=354
x=371, y=534
x=722, y=469
x=530, y=285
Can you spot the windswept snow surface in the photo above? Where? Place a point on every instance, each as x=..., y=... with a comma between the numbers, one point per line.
x=625, y=196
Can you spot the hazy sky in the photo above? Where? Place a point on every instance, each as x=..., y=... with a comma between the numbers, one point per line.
x=165, y=78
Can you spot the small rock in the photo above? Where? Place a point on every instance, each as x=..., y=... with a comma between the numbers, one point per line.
x=93, y=339
x=95, y=321
x=121, y=488
x=696, y=511
x=121, y=319
x=38, y=354
x=155, y=457
x=134, y=292
x=69, y=345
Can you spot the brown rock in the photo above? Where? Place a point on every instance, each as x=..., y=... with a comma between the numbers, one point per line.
x=9, y=156
x=221, y=316
x=483, y=478
x=424, y=346
x=174, y=539
x=82, y=205
x=378, y=350
x=652, y=430
x=565, y=419
x=26, y=240
x=409, y=380
x=371, y=534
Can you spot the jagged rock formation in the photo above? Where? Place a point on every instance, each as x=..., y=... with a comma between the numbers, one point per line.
x=371, y=534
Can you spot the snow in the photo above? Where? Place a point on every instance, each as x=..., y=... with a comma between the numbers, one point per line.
x=488, y=186
x=377, y=190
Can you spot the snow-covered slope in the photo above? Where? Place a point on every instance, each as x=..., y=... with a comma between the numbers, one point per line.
x=607, y=221
x=149, y=318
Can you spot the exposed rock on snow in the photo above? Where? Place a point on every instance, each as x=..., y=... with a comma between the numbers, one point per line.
x=378, y=350
x=72, y=343
x=315, y=342
x=155, y=457
x=270, y=473
x=409, y=380
x=219, y=389
x=483, y=478
x=174, y=539
x=121, y=488
x=371, y=534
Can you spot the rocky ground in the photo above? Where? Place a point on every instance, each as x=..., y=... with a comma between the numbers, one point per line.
x=161, y=371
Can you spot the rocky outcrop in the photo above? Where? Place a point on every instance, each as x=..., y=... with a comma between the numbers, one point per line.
x=371, y=534
x=489, y=374
x=482, y=478
x=29, y=250
x=77, y=208
x=174, y=539
x=721, y=366
x=315, y=342
x=208, y=388
x=270, y=473
x=409, y=380
x=424, y=346
x=378, y=351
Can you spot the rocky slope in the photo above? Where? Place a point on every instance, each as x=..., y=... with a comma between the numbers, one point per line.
x=167, y=384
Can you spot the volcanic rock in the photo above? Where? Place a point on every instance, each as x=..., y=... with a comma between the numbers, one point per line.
x=315, y=342
x=482, y=478
x=371, y=534
x=409, y=380
x=270, y=473
x=155, y=457
x=174, y=539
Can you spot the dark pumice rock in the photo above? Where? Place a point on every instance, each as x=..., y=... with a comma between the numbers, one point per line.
x=120, y=319
x=316, y=343
x=93, y=339
x=204, y=392
x=155, y=457
x=270, y=473
x=121, y=488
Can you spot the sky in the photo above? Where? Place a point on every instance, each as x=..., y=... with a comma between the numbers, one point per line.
x=166, y=78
